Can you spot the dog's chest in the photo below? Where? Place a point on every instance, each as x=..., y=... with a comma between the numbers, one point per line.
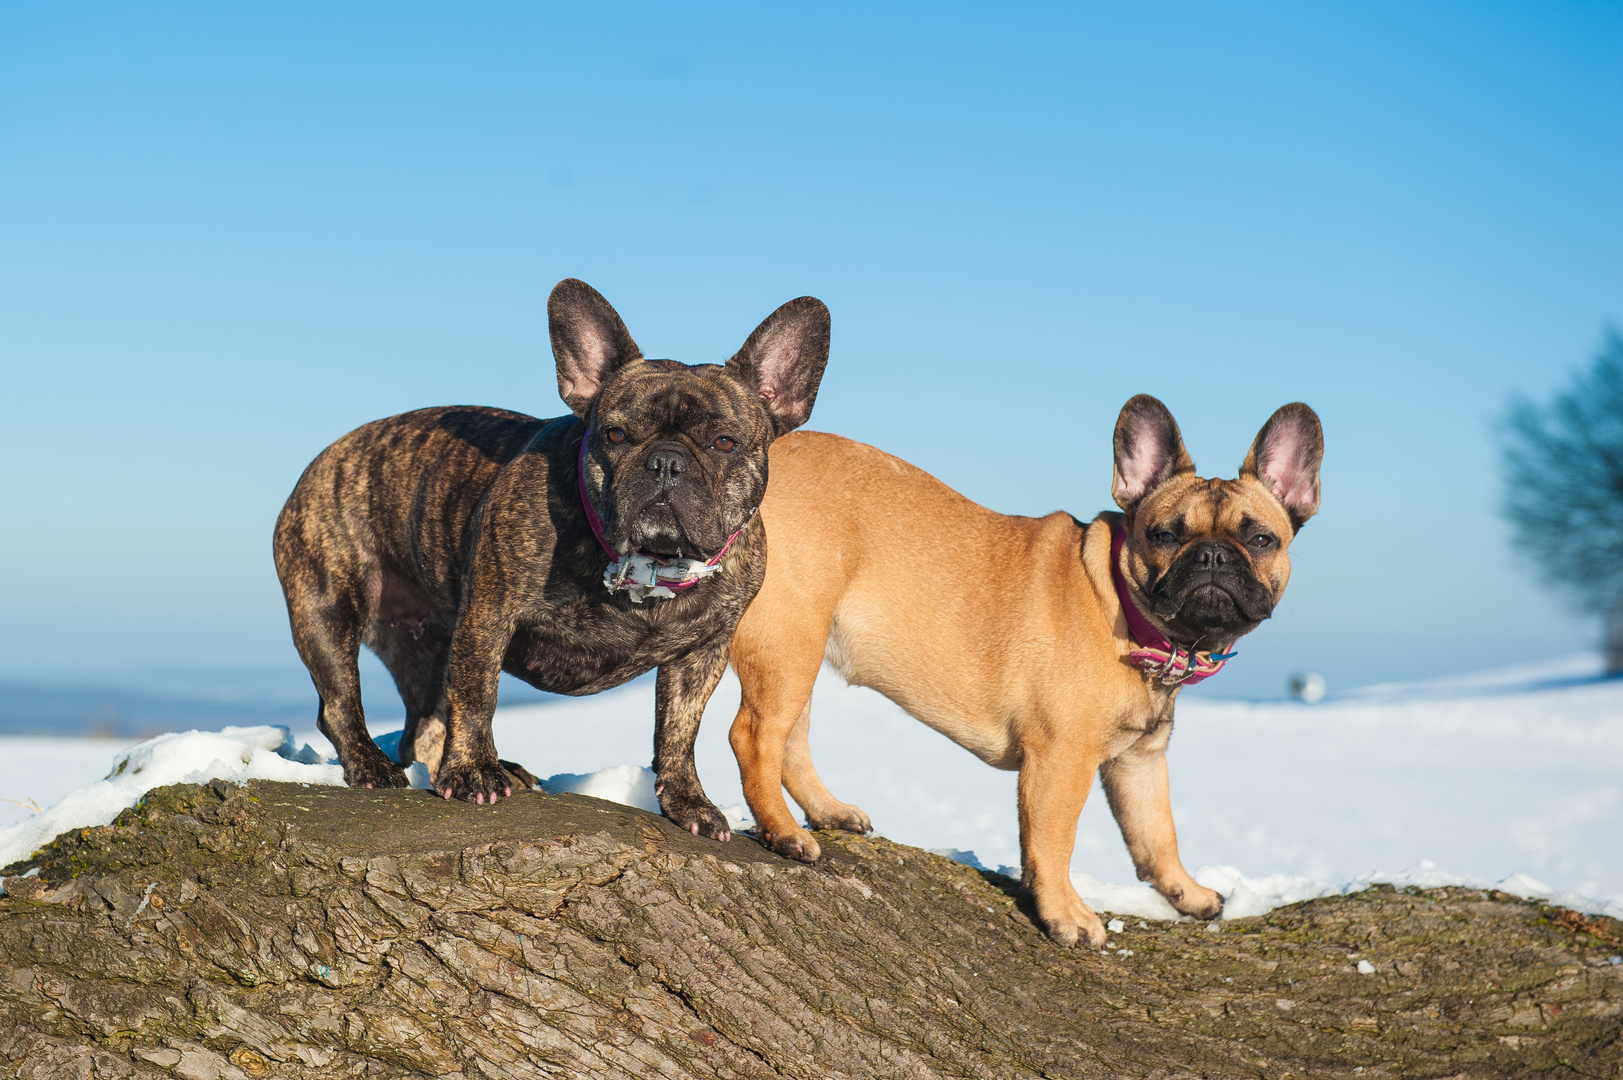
x=595, y=647
x=1144, y=722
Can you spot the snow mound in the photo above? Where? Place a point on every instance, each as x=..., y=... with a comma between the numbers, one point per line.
x=234, y=754
x=629, y=785
x=1247, y=896
x=625, y=784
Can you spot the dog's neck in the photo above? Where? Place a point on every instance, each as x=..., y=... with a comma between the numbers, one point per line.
x=1173, y=665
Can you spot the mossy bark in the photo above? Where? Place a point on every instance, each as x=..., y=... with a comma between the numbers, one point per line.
x=281, y=930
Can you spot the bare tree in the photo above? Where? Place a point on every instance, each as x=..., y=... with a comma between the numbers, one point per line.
x=1563, y=465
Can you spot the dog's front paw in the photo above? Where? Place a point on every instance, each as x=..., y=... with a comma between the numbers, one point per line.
x=844, y=817
x=374, y=770
x=794, y=844
x=1070, y=922
x=477, y=783
x=695, y=813
x=1195, y=900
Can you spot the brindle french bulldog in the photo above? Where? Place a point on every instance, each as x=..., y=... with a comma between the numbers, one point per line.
x=573, y=553
x=1039, y=644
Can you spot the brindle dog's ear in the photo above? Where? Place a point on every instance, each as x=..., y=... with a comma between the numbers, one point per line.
x=588, y=339
x=1149, y=451
x=784, y=359
x=1286, y=459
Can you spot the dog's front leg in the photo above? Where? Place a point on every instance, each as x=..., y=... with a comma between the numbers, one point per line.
x=1136, y=785
x=469, y=768
x=1054, y=783
x=682, y=690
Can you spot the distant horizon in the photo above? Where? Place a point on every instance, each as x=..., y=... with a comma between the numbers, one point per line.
x=160, y=700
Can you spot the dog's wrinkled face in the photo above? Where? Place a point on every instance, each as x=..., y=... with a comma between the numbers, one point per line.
x=676, y=455
x=1210, y=557
x=679, y=455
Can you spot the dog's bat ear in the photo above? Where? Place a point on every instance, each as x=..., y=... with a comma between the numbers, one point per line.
x=589, y=341
x=784, y=359
x=1149, y=451
x=1286, y=458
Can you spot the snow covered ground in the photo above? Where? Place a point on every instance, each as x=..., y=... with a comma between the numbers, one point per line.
x=1514, y=778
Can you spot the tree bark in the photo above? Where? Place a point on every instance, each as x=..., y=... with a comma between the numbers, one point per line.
x=290, y=931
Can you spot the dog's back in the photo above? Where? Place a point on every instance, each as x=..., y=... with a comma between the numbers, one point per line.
x=397, y=494
x=904, y=585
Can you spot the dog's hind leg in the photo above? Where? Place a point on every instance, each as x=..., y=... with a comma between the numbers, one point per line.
x=417, y=663
x=424, y=737
x=415, y=656
x=326, y=637
x=823, y=810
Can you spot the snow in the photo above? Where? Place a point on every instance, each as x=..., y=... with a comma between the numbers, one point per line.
x=192, y=757
x=631, y=785
x=1510, y=779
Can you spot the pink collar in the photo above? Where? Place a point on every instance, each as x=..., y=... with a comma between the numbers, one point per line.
x=597, y=523
x=1171, y=664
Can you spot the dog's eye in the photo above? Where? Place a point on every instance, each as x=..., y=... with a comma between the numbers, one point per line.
x=1262, y=541
x=725, y=443
x=616, y=435
x=1161, y=536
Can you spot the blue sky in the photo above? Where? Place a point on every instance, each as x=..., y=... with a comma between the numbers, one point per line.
x=230, y=233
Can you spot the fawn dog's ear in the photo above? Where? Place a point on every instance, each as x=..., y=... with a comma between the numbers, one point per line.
x=1149, y=451
x=1286, y=458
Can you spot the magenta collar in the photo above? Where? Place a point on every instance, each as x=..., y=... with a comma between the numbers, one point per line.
x=1158, y=657
x=617, y=561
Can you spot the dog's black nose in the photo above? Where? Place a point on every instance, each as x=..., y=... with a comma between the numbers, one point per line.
x=1210, y=556
x=668, y=463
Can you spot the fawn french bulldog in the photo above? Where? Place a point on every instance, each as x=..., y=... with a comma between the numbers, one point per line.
x=1039, y=644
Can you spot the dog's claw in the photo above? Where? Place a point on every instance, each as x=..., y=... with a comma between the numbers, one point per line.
x=800, y=846
x=850, y=819
x=693, y=813
x=478, y=784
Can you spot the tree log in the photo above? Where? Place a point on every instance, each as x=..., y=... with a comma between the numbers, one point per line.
x=280, y=930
